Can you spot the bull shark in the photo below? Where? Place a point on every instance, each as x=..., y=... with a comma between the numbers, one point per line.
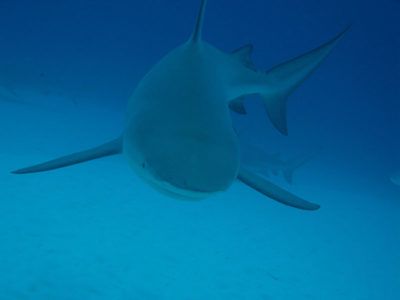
x=179, y=135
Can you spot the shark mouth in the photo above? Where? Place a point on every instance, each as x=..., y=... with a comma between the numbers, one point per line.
x=181, y=193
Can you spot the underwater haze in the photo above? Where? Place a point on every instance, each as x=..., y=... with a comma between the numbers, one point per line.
x=97, y=231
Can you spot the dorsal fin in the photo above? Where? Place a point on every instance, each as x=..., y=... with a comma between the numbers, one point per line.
x=243, y=54
x=196, y=35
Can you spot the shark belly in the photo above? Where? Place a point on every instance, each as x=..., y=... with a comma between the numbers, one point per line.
x=179, y=136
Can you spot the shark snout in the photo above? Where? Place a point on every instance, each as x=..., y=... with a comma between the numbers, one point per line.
x=191, y=166
x=194, y=165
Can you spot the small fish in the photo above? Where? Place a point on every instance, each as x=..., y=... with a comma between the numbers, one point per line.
x=8, y=94
x=395, y=178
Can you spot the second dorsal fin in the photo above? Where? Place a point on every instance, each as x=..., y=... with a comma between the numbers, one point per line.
x=243, y=54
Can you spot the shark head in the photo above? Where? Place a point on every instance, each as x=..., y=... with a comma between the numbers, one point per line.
x=179, y=136
x=179, y=163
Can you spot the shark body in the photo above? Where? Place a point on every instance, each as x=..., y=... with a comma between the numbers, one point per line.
x=179, y=135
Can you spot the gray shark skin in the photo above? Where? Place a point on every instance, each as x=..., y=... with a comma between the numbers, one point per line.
x=179, y=136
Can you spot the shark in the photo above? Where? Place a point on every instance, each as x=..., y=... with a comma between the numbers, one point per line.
x=395, y=178
x=179, y=136
x=264, y=163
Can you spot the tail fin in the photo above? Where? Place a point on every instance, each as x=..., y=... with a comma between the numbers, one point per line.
x=286, y=77
x=196, y=35
x=111, y=148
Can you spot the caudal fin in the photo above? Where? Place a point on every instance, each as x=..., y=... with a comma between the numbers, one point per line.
x=283, y=79
x=111, y=148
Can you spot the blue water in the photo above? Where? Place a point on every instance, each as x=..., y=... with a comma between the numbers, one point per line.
x=95, y=231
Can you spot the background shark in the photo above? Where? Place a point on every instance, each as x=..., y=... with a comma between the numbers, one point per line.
x=266, y=164
x=23, y=82
x=8, y=94
x=395, y=178
x=96, y=231
x=180, y=137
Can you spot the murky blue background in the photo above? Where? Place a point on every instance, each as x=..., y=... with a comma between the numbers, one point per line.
x=95, y=231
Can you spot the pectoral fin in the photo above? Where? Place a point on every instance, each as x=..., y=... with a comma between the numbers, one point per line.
x=111, y=148
x=274, y=192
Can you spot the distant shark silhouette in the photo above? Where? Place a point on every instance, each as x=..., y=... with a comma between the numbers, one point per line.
x=8, y=94
x=395, y=178
x=19, y=83
x=179, y=135
x=263, y=163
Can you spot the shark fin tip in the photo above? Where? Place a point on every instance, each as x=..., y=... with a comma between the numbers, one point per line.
x=196, y=35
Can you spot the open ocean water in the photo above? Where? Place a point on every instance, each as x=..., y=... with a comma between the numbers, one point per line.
x=96, y=231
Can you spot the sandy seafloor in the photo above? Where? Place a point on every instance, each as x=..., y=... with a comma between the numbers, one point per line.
x=95, y=231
